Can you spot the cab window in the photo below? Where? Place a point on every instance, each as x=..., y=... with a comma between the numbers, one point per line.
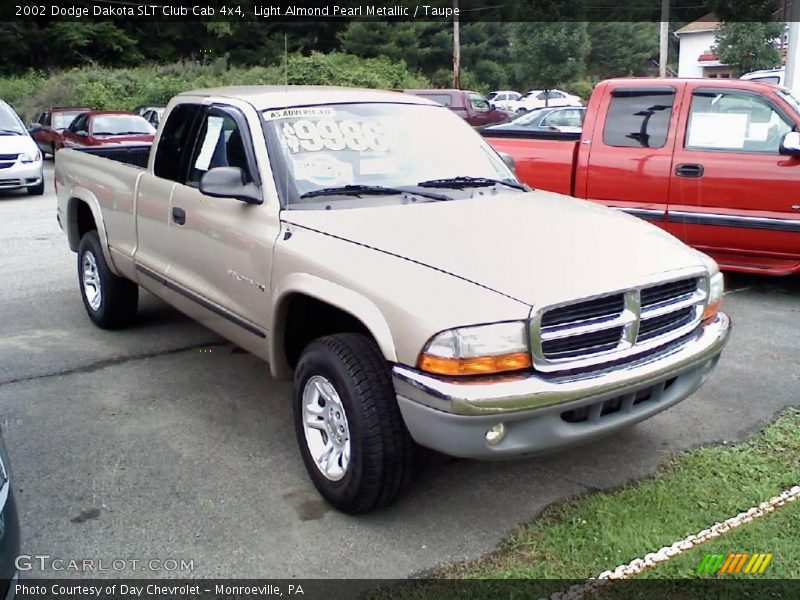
x=219, y=143
x=638, y=118
x=175, y=142
x=734, y=121
x=478, y=102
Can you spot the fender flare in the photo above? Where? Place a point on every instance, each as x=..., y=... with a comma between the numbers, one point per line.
x=76, y=196
x=345, y=299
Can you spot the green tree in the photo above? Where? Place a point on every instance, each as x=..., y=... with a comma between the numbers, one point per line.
x=548, y=54
x=620, y=49
x=749, y=46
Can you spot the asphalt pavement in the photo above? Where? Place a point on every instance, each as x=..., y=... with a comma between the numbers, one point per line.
x=165, y=442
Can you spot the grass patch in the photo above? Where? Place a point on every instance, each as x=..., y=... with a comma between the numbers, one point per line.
x=583, y=537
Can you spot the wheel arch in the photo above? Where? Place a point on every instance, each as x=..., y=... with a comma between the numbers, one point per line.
x=356, y=312
x=84, y=214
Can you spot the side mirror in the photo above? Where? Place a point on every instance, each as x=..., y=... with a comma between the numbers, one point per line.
x=509, y=160
x=82, y=132
x=34, y=126
x=228, y=182
x=790, y=144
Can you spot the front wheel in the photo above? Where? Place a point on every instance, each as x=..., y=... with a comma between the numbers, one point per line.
x=352, y=438
x=110, y=300
x=36, y=190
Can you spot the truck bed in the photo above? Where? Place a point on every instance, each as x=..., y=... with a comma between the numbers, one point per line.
x=135, y=155
x=544, y=160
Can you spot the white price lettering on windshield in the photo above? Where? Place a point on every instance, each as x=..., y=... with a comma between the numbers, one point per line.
x=326, y=134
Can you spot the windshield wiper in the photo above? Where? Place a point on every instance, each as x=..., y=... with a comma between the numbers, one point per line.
x=11, y=131
x=375, y=190
x=465, y=181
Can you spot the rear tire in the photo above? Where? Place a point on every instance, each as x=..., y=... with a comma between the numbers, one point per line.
x=351, y=434
x=36, y=190
x=110, y=300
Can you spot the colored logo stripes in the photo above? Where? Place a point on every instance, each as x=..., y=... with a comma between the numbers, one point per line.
x=735, y=562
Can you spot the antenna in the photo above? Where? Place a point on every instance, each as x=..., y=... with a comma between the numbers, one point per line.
x=286, y=61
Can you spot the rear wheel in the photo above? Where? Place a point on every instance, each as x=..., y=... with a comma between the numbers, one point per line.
x=352, y=438
x=110, y=300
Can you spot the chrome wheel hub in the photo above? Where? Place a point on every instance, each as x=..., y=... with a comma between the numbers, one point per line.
x=91, y=280
x=325, y=425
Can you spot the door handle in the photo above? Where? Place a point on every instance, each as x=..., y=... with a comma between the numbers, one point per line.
x=178, y=215
x=689, y=170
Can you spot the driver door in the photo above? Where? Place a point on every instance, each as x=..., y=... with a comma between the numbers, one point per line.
x=221, y=248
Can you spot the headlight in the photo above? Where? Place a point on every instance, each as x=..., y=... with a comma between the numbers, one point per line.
x=716, y=289
x=29, y=157
x=479, y=350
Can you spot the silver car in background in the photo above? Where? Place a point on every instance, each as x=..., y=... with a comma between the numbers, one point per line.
x=20, y=157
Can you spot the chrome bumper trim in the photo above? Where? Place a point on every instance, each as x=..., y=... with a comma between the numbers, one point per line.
x=500, y=397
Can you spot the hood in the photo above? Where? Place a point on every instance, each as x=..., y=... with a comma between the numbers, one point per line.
x=536, y=247
x=17, y=144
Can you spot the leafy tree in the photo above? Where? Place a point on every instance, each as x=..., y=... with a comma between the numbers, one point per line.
x=548, y=54
x=621, y=49
x=749, y=46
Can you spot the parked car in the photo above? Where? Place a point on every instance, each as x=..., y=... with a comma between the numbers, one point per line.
x=153, y=116
x=502, y=98
x=414, y=293
x=562, y=119
x=9, y=528
x=776, y=76
x=470, y=106
x=143, y=108
x=20, y=158
x=107, y=127
x=714, y=162
x=50, y=124
x=542, y=99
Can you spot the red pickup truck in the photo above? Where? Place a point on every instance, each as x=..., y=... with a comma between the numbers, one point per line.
x=714, y=162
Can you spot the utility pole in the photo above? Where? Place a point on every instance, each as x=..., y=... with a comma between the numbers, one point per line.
x=793, y=47
x=663, y=48
x=456, y=48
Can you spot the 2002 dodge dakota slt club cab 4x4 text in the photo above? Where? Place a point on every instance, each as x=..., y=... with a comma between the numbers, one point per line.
x=414, y=294
x=716, y=162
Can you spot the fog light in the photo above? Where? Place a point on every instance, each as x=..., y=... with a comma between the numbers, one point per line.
x=496, y=434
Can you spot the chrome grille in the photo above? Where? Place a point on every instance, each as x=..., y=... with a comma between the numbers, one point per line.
x=589, y=333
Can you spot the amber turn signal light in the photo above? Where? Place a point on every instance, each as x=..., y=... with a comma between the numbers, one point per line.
x=710, y=313
x=479, y=365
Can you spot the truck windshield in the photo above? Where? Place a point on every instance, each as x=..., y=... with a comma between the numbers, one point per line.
x=355, y=147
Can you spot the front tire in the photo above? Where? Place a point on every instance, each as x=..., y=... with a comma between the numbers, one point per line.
x=110, y=300
x=36, y=190
x=351, y=434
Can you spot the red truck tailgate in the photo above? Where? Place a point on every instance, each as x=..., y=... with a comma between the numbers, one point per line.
x=545, y=164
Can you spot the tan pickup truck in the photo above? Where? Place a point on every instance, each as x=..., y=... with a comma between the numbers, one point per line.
x=373, y=247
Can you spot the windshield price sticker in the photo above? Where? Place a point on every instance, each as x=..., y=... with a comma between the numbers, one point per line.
x=304, y=135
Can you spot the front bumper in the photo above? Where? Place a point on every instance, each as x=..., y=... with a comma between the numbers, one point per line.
x=21, y=175
x=545, y=414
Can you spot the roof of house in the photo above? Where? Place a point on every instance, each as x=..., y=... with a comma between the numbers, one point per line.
x=709, y=22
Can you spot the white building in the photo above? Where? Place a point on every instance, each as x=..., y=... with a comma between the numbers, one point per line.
x=696, y=57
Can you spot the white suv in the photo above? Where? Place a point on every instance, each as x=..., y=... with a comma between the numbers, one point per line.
x=20, y=158
x=503, y=98
x=541, y=98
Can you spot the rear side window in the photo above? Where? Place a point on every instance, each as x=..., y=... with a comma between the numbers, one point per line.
x=175, y=142
x=639, y=118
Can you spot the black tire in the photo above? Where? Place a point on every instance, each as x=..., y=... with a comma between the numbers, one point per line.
x=53, y=151
x=119, y=297
x=381, y=449
x=36, y=190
